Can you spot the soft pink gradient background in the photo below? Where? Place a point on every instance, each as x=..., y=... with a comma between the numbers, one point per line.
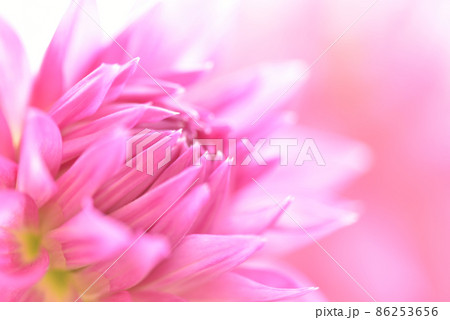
x=385, y=83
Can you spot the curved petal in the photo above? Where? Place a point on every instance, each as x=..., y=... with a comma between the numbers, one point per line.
x=249, y=93
x=174, y=38
x=127, y=114
x=68, y=55
x=6, y=143
x=11, y=281
x=176, y=223
x=131, y=182
x=318, y=219
x=153, y=296
x=14, y=81
x=84, y=98
x=95, y=166
x=145, y=210
x=79, y=137
x=129, y=268
x=199, y=258
x=17, y=210
x=249, y=220
x=40, y=157
x=90, y=237
x=141, y=296
x=218, y=182
x=235, y=287
x=8, y=173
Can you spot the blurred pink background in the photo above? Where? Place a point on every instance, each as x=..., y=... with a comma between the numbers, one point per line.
x=385, y=83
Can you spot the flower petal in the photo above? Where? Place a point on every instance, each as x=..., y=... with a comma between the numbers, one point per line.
x=18, y=212
x=129, y=268
x=153, y=296
x=141, y=296
x=95, y=166
x=85, y=97
x=176, y=223
x=40, y=157
x=11, y=282
x=90, y=237
x=319, y=219
x=249, y=94
x=145, y=210
x=68, y=55
x=8, y=173
x=249, y=220
x=79, y=137
x=129, y=183
x=199, y=258
x=146, y=89
x=6, y=143
x=174, y=38
x=14, y=81
x=235, y=287
x=182, y=162
x=218, y=182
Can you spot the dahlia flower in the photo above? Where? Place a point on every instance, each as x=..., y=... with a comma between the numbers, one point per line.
x=78, y=223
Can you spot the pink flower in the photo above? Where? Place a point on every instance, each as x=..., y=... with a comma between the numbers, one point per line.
x=77, y=223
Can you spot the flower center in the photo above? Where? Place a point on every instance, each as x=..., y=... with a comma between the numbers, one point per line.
x=57, y=285
x=29, y=245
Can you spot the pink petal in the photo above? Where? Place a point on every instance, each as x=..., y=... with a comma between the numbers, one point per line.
x=121, y=296
x=234, y=287
x=249, y=220
x=145, y=210
x=8, y=173
x=153, y=296
x=190, y=75
x=6, y=143
x=141, y=296
x=119, y=83
x=287, y=236
x=201, y=257
x=17, y=212
x=218, y=182
x=150, y=113
x=84, y=98
x=79, y=137
x=182, y=162
x=11, y=281
x=130, y=183
x=68, y=55
x=146, y=89
x=125, y=117
x=14, y=82
x=176, y=223
x=173, y=38
x=277, y=276
x=90, y=237
x=249, y=93
x=73, y=148
x=130, y=267
x=243, y=175
x=268, y=277
x=91, y=170
x=40, y=157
